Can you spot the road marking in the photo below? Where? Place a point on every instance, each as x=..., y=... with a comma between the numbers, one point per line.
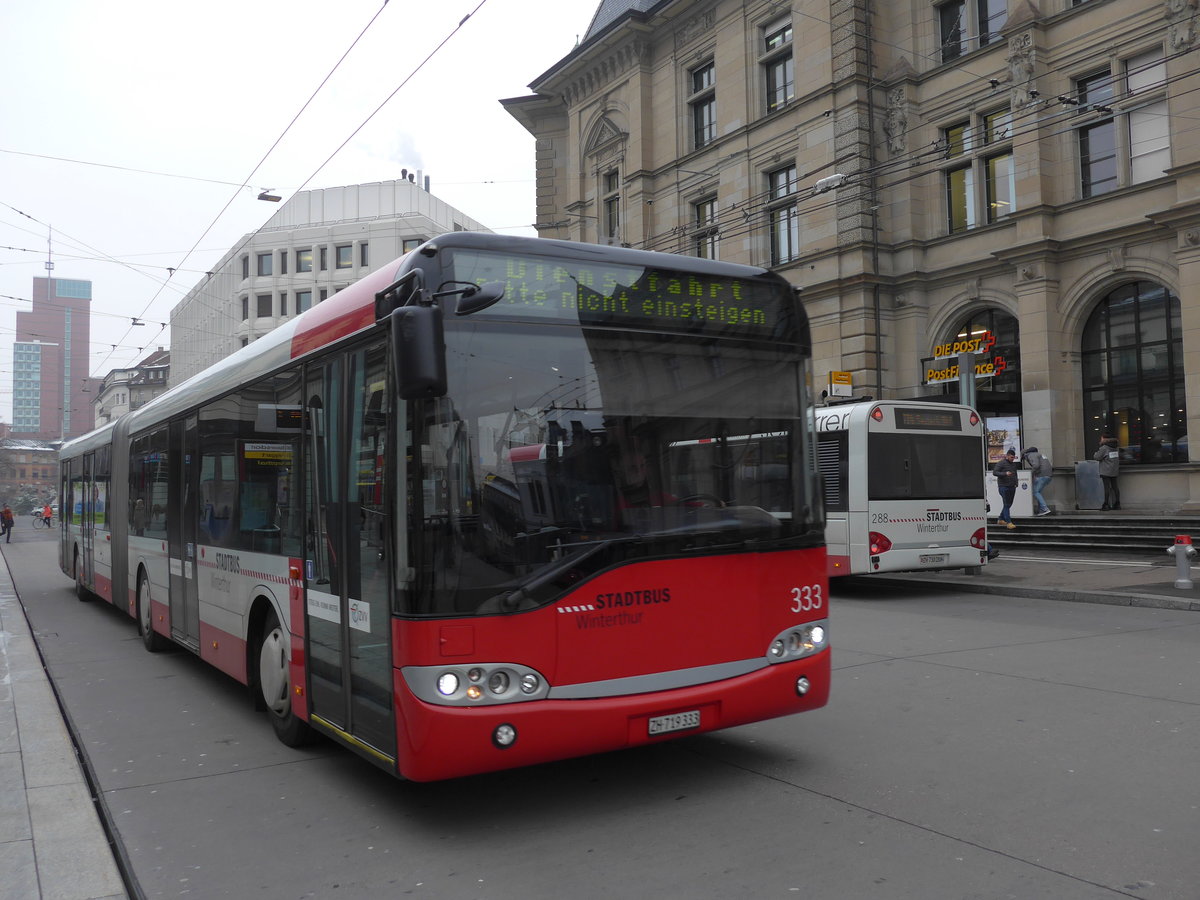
x=1079, y=561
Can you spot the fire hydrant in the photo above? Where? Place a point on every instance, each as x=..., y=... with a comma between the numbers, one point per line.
x=1183, y=551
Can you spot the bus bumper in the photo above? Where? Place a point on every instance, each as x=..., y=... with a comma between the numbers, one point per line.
x=438, y=742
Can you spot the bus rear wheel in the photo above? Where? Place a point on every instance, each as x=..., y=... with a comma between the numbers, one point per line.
x=151, y=639
x=274, y=684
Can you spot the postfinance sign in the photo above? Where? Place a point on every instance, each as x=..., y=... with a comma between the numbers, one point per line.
x=985, y=368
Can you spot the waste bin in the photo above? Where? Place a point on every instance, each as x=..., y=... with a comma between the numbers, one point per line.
x=1089, y=489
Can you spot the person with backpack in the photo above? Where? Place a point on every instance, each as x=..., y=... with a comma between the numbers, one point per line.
x=1109, y=458
x=6, y=523
x=1042, y=470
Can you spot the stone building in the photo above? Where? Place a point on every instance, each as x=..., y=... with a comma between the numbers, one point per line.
x=1022, y=179
x=122, y=390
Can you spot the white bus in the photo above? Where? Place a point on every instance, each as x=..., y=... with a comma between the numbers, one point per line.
x=903, y=486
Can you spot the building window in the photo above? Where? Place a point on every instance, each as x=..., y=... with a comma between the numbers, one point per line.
x=784, y=219
x=264, y=306
x=303, y=300
x=611, y=221
x=245, y=267
x=324, y=259
x=1148, y=128
x=964, y=26
x=993, y=15
x=704, y=218
x=1132, y=364
x=324, y=295
x=979, y=153
x=778, y=66
x=245, y=308
x=343, y=257
x=283, y=303
x=1097, y=140
x=362, y=254
x=304, y=260
x=950, y=28
x=411, y=244
x=265, y=261
x=703, y=103
x=283, y=259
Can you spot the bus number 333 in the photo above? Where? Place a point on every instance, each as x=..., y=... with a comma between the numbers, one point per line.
x=807, y=598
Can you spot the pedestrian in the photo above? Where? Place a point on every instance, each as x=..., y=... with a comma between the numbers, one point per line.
x=1109, y=458
x=47, y=515
x=1042, y=471
x=6, y=523
x=1006, y=481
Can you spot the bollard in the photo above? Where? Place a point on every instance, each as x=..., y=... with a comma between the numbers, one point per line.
x=1183, y=551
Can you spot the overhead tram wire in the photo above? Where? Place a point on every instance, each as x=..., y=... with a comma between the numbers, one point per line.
x=270, y=150
x=387, y=99
x=350, y=137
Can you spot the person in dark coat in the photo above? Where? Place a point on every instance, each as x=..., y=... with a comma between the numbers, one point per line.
x=1109, y=458
x=1006, y=481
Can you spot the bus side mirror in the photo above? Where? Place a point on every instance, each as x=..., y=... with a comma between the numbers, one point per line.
x=418, y=352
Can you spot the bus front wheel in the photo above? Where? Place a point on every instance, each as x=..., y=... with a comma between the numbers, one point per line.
x=274, y=684
x=151, y=639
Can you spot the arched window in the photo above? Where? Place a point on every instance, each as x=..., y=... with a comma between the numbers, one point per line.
x=999, y=395
x=1132, y=362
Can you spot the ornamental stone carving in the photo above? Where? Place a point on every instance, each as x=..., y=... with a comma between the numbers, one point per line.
x=895, y=120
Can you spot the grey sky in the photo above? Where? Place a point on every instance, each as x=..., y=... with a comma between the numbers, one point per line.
x=201, y=92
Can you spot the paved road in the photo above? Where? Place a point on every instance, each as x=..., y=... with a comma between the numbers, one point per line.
x=975, y=746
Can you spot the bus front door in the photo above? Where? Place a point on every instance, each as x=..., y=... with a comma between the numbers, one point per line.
x=181, y=531
x=347, y=560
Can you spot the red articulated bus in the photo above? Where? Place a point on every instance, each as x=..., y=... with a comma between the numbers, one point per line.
x=497, y=503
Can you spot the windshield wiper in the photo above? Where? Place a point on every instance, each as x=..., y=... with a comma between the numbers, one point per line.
x=521, y=597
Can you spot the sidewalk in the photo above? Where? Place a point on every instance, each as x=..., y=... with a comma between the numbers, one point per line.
x=52, y=845
x=1133, y=581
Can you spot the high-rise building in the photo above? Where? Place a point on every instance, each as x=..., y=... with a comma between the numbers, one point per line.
x=50, y=361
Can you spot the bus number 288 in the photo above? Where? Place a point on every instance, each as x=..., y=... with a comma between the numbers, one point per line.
x=807, y=598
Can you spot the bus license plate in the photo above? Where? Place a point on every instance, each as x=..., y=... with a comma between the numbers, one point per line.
x=675, y=722
x=934, y=559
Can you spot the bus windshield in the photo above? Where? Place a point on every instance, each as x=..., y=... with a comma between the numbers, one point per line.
x=561, y=450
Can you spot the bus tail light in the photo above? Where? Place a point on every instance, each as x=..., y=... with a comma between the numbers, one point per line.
x=879, y=543
x=979, y=539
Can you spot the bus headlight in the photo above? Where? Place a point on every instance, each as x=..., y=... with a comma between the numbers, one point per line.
x=799, y=642
x=498, y=682
x=476, y=684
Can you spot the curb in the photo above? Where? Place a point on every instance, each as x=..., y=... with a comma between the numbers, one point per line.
x=1107, y=598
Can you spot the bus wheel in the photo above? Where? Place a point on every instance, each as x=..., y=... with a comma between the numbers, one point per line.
x=275, y=685
x=82, y=593
x=153, y=641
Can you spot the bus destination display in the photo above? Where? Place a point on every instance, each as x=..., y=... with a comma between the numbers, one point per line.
x=928, y=419
x=628, y=296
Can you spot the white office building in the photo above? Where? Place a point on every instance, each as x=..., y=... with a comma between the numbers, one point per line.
x=317, y=243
